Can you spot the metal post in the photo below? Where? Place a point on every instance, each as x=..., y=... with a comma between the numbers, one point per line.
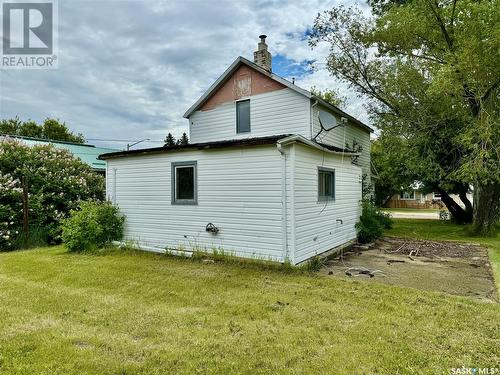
x=25, y=208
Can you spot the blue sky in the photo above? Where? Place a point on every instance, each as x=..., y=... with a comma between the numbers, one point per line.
x=289, y=68
x=129, y=69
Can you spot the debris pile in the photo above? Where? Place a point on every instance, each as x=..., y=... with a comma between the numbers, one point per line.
x=430, y=249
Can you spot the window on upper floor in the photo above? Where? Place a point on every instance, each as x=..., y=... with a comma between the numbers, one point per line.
x=326, y=184
x=184, y=183
x=243, y=116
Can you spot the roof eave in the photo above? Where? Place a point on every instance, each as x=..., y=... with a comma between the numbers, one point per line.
x=341, y=113
x=298, y=138
x=269, y=140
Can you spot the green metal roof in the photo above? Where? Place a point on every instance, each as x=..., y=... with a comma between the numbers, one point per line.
x=87, y=153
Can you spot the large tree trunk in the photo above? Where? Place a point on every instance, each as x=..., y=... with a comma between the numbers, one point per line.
x=458, y=214
x=467, y=203
x=486, y=207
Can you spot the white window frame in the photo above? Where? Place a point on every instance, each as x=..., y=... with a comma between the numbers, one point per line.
x=401, y=196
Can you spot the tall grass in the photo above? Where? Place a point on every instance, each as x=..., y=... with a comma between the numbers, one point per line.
x=37, y=237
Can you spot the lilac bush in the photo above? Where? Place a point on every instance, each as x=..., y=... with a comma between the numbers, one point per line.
x=56, y=182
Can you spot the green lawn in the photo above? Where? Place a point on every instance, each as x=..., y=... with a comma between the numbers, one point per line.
x=410, y=209
x=447, y=231
x=129, y=312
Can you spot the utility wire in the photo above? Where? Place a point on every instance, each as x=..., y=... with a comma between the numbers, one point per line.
x=119, y=140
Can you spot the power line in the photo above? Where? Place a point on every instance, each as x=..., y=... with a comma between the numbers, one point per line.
x=119, y=140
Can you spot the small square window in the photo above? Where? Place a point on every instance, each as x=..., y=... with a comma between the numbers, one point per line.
x=184, y=183
x=243, y=116
x=326, y=184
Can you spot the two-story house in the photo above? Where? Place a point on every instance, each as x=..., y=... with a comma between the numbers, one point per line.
x=267, y=173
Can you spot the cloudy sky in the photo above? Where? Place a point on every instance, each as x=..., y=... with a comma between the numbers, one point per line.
x=129, y=69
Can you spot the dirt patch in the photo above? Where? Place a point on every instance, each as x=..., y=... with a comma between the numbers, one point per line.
x=450, y=267
x=431, y=249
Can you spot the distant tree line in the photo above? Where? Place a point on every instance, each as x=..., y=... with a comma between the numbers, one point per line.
x=170, y=140
x=51, y=129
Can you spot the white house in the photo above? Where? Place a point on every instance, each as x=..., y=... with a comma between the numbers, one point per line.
x=266, y=174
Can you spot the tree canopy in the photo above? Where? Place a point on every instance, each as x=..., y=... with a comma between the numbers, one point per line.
x=170, y=140
x=51, y=129
x=430, y=71
x=330, y=96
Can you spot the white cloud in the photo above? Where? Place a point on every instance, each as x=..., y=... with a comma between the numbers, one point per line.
x=129, y=69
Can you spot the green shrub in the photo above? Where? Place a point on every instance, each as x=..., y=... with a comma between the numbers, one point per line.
x=384, y=219
x=93, y=225
x=372, y=222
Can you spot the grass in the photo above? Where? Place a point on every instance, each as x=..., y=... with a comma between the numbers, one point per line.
x=447, y=231
x=121, y=311
x=410, y=209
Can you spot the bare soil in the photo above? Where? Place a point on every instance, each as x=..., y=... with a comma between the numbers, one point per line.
x=449, y=267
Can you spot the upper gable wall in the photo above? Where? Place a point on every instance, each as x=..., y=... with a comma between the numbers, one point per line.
x=343, y=136
x=243, y=83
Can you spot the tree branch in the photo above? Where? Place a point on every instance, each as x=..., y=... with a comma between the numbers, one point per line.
x=490, y=90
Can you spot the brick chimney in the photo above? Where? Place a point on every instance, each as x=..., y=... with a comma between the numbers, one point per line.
x=262, y=57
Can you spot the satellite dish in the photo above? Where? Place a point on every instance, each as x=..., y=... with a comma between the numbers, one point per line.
x=327, y=120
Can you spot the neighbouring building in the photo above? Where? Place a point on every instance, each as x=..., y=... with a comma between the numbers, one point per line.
x=87, y=153
x=417, y=199
x=267, y=173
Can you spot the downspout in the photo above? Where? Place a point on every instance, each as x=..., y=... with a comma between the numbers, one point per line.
x=312, y=117
x=284, y=236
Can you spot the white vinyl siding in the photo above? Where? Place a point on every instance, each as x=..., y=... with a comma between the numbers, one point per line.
x=321, y=226
x=278, y=112
x=341, y=135
x=239, y=191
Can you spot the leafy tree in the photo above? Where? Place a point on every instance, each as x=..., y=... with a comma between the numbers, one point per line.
x=170, y=140
x=10, y=126
x=183, y=140
x=53, y=129
x=50, y=129
x=389, y=158
x=31, y=129
x=56, y=182
x=330, y=96
x=430, y=71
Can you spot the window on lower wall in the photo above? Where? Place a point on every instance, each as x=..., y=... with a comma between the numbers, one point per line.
x=184, y=183
x=243, y=116
x=326, y=184
x=407, y=195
